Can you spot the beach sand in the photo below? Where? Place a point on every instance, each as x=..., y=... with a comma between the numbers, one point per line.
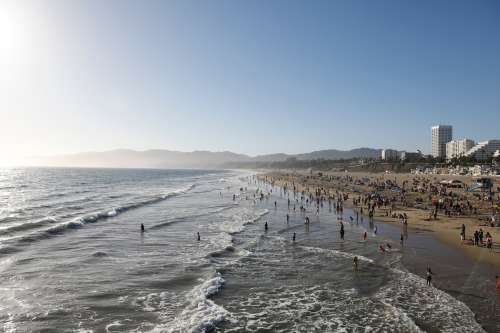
x=444, y=228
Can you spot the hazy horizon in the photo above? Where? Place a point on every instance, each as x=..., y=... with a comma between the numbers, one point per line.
x=247, y=77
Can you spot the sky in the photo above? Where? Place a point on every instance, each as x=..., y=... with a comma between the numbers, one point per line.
x=254, y=77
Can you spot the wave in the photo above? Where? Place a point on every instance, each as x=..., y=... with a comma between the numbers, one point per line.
x=238, y=222
x=200, y=314
x=28, y=226
x=424, y=305
x=336, y=253
x=93, y=217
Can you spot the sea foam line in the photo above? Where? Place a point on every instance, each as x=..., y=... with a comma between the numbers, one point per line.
x=201, y=314
x=94, y=217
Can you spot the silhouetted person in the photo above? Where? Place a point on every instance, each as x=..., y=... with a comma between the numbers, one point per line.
x=429, y=276
x=265, y=226
x=142, y=227
x=294, y=234
x=199, y=238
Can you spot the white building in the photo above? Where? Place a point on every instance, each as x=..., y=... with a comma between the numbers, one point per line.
x=441, y=135
x=389, y=154
x=484, y=150
x=458, y=148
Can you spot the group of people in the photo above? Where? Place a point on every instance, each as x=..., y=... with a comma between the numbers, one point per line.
x=479, y=238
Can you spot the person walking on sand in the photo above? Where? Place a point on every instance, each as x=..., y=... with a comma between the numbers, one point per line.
x=364, y=236
x=429, y=276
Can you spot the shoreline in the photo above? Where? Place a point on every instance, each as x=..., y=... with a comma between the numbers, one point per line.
x=461, y=274
x=445, y=229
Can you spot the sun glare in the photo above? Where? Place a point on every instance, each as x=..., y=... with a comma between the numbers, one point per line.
x=12, y=32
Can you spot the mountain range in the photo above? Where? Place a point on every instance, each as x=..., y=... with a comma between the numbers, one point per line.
x=160, y=158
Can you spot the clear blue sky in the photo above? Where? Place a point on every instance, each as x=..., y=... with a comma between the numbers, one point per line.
x=247, y=76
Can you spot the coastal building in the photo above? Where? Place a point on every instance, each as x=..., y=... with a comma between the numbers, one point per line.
x=458, y=148
x=484, y=150
x=389, y=154
x=496, y=154
x=410, y=156
x=441, y=135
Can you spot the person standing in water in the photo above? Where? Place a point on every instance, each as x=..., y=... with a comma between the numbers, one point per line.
x=265, y=226
x=287, y=218
x=342, y=231
x=429, y=276
x=355, y=263
x=142, y=227
x=198, y=236
x=294, y=235
x=402, y=239
x=364, y=236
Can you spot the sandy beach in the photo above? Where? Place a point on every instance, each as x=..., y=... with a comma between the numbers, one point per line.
x=416, y=205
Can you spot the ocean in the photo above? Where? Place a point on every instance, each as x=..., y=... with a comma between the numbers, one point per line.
x=73, y=259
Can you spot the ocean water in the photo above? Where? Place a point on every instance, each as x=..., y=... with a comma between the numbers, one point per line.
x=73, y=259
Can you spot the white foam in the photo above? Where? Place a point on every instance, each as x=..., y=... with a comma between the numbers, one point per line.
x=336, y=253
x=115, y=324
x=200, y=313
x=410, y=295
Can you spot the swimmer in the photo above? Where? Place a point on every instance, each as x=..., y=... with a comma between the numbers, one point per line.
x=381, y=247
x=389, y=246
x=142, y=227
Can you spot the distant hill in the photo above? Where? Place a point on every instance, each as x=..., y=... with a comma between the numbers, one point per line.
x=334, y=154
x=159, y=158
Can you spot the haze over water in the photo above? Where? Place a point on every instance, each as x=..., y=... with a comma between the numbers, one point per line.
x=73, y=259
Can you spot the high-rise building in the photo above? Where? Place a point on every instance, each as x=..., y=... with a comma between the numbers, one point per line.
x=458, y=148
x=389, y=154
x=441, y=135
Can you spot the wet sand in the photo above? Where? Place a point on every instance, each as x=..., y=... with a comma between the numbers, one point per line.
x=465, y=272
x=446, y=229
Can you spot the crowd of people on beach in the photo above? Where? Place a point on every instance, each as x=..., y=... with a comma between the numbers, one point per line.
x=307, y=195
x=385, y=197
